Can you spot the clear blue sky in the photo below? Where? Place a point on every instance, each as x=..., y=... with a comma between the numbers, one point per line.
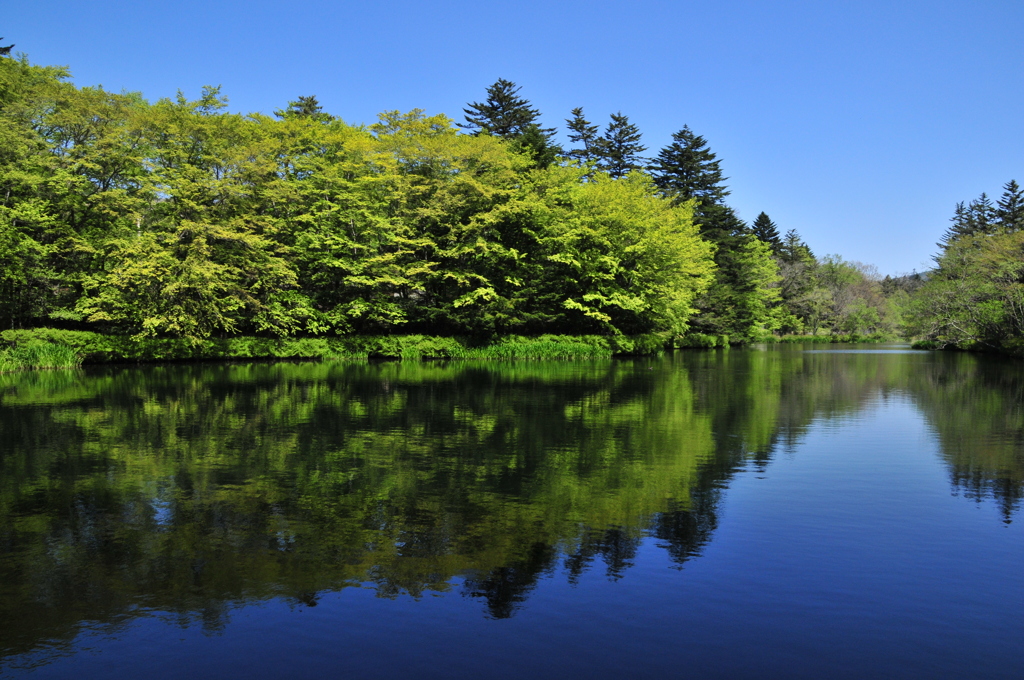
x=859, y=124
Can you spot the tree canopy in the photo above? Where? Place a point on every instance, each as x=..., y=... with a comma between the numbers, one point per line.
x=181, y=219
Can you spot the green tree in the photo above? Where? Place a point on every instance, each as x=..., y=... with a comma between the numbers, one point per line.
x=766, y=230
x=638, y=261
x=687, y=169
x=584, y=135
x=507, y=115
x=806, y=302
x=504, y=113
x=1009, y=210
x=978, y=217
x=619, y=148
x=198, y=260
x=304, y=107
x=974, y=299
x=743, y=302
x=69, y=171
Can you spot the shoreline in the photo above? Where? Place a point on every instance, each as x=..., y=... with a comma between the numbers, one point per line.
x=51, y=348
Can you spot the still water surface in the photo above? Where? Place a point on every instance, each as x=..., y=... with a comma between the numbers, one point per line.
x=791, y=513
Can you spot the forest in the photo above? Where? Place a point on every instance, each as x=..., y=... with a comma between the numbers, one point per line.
x=180, y=221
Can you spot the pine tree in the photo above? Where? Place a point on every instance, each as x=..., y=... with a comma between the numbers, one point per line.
x=1009, y=210
x=767, y=231
x=687, y=169
x=504, y=114
x=304, y=107
x=978, y=217
x=794, y=249
x=583, y=133
x=619, y=149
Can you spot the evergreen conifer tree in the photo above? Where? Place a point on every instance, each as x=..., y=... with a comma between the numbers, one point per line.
x=1009, y=210
x=687, y=169
x=619, y=149
x=503, y=114
x=304, y=107
x=584, y=134
x=978, y=217
x=794, y=249
x=767, y=231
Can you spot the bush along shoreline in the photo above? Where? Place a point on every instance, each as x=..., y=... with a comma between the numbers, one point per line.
x=51, y=348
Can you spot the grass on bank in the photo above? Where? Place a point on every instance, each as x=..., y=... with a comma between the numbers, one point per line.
x=852, y=338
x=24, y=345
x=38, y=355
x=40, y=348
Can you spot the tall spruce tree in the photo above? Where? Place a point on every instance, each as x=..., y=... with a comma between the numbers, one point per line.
x=503, y=114
x=619, y=149
x=584, y=135
x=1009, y=210
x=767, y=231
x=742, y=302
x=687, y=169
x=507, y=115
x=794, y=249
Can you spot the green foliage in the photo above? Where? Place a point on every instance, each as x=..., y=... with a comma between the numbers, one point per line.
x=687, y=169
x=975, y=298
x=177, y=220
x=38, y=355
x=583, y=133
x=99, y=348
x=743, y=303
x=766, y=230
x=618, y=150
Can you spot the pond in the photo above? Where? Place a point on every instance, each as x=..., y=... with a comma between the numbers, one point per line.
x=839, y=512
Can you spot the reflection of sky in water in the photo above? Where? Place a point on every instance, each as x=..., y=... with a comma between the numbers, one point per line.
x=161, y=502
x=162, y=512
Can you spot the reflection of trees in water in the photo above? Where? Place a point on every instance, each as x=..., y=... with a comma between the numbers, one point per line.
x=975, y=404
x=684, y=532
x=506, y=587
x=979, y=484
x=190, y=489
